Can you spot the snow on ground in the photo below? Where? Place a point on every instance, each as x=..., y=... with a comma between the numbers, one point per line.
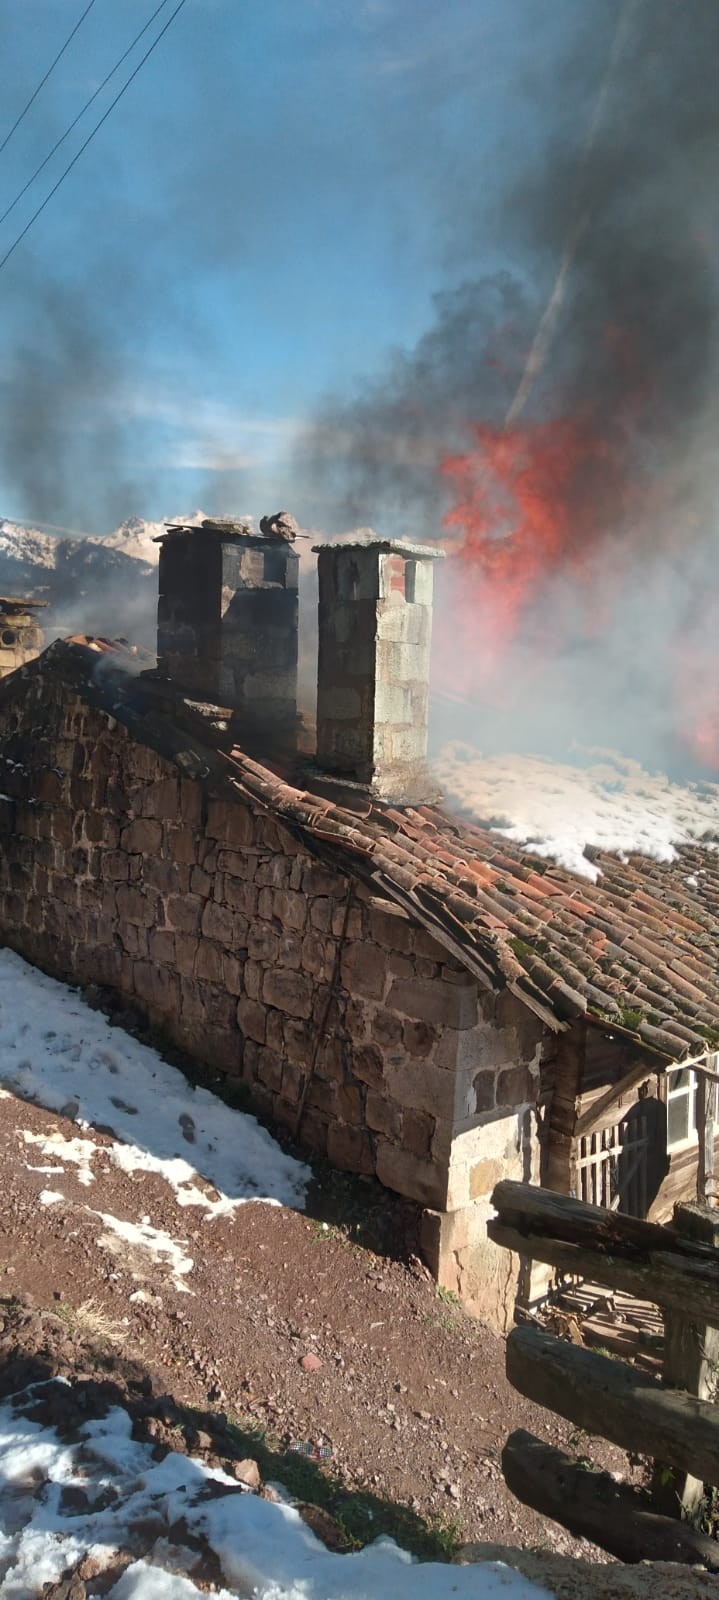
x=558, y=810
x=54, y=1050
x=105, y=1493
x=152, y=1242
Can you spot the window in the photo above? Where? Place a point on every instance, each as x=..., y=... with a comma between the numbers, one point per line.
x=274, y=565
x=347, y=580
x=9, y=636
x=682, y=1106
x=410, y=581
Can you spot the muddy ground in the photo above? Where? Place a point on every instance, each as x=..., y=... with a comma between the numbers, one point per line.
x=406, y=1408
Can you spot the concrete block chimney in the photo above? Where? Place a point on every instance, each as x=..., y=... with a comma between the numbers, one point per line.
x=375, y=623
x=227, y=622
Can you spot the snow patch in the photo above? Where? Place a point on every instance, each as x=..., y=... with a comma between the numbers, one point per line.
x=57, y=1052
x=76, y=1152
x=132, y=1501
x=558, y=811
x=160, y=1246
x=50, y=1197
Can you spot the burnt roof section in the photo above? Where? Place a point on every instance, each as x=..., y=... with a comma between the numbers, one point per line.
x=16, y=603
x=280, y=527
x=220, y=527
x=637, y=952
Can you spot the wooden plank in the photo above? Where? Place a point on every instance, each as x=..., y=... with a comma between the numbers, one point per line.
x=615, y=1401
x=595, y=1112
x=706, y=1129
x=559, y=1147
x=691, y=1362
x=592, y=1505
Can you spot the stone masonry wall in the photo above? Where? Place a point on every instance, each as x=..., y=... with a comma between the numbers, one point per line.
x=211, y=919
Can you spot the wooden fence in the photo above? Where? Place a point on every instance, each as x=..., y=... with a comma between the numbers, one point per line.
x=674, y=1420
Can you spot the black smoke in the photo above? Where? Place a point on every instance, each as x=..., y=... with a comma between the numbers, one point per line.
x=627, y=169
x=605, y=311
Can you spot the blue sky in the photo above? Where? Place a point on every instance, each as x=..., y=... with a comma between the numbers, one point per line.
x=266, y=215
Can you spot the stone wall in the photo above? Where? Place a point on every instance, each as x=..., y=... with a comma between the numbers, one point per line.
x=215, y=922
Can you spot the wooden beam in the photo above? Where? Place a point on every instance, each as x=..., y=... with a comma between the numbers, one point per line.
x=689, y=1288
x=544, y=1214
x=691, y=1362
x=592, y=1505
x=629, y=1081
x=706, y=1130
x=615, y=1401
x=704, y=1072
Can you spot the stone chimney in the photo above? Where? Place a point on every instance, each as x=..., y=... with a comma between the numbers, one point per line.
x=375, y=622
x=21, y=639
x=227, y=622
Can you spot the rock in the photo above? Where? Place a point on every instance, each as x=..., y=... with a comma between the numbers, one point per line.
x=311, y=1363
x=323, y=1526
x=248, y=1472
x=69, y=1588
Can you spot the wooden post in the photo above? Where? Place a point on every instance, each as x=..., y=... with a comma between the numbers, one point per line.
x=706, y=1130
x=691, y=1357
x=615, y=1401
x=560, y=1151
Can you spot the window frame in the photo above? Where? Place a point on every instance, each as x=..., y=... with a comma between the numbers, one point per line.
x=688, y=1091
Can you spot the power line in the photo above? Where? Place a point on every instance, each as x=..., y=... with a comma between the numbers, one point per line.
x=80, y=114
x=43, y=81
x=91, y=135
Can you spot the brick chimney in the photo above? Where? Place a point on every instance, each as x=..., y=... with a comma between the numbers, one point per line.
x=227, y=622
x=375, y=622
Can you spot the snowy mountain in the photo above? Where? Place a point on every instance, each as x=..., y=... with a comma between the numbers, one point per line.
x=24, y=550
x=101, y=584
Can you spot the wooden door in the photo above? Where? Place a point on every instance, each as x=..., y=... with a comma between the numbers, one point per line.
x=612, y=1166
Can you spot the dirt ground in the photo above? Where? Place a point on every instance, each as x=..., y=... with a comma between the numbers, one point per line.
x=407, y=1397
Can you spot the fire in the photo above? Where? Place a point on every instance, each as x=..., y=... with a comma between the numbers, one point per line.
x=540, y=504
x=527, y=504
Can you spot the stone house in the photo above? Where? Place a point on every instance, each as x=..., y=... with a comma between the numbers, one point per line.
x=407, y=991
x=21, y=638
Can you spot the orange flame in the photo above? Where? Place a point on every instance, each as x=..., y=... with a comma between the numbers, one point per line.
x=531, y=503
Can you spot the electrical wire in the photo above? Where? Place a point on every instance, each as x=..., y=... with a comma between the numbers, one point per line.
x=43, y=81
x=4, y=259
x=80, y=114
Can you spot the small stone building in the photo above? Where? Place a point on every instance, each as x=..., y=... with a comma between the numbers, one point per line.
x=21, y=638
x=422, y=1000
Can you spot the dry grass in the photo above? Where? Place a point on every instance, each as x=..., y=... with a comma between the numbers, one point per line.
x=93, y=1322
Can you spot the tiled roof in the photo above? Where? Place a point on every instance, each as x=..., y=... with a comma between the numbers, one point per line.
x=638, y=949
